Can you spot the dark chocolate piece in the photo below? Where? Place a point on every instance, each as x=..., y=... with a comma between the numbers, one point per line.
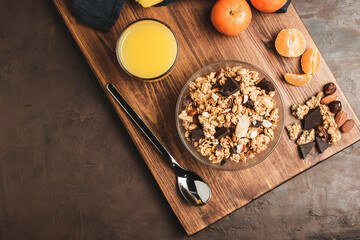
x=219, y=147
x=249, y=104
x=225, y=161
x=257, y=124
x=196, y=119
x=266, y=85
x=187, y=101
x=216, y=85
x=222, y=132
x=196, y=135
x=321, y=144
x=305, y=149
x=312, y=119
x=233, y=150
x=230, y=103
x=230, y=87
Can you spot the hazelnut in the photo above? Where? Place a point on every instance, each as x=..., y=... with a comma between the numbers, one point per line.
x=335, y=106
x=330, y=88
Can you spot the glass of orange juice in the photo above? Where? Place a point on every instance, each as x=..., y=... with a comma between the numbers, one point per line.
x=147, y=49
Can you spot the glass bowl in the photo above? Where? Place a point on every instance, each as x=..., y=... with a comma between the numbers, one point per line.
x=231, y=166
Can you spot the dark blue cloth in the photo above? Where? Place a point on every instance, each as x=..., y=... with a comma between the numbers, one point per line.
x=281, y=10
x=165, y=2
x=284, y=8
x=98, y=14
x=101, y=14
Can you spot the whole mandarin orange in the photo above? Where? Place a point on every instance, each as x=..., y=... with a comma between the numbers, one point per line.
x=268, y=5
x=231, y=17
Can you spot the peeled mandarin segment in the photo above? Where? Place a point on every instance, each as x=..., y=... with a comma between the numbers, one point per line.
x=290, y=43
x=310, y=61
x=297, y=79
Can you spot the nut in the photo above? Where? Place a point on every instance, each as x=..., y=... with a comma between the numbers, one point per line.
x=340, y=118
x=330, y=88
x=328, y=99
x=335, y=106
x=242, y=126
x=348, y=125
x=266, y=123
x=321, y=132
x=192, y=112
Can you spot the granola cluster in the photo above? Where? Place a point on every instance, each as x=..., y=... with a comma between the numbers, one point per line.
x=307, y=136
x=228, y=116
x=330, y=125
x=293, y=130
x=300, y=111
x=327, y=120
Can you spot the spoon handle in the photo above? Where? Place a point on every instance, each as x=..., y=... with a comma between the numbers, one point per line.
x=140, y=123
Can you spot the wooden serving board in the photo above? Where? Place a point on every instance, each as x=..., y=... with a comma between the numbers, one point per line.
x=200, y=45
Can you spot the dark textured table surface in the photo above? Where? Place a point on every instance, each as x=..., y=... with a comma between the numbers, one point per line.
x=69, y=170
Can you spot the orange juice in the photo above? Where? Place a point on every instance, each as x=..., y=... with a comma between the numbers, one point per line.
x=147, y=49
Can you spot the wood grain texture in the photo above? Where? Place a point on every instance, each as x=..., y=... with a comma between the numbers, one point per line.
x=200, y=45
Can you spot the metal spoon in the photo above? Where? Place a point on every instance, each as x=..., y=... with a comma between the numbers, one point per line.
x=194, y=189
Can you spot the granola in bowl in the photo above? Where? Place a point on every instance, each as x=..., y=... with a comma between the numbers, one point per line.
x=230, y=115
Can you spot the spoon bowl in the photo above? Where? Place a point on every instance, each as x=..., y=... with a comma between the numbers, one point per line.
x=193, y=188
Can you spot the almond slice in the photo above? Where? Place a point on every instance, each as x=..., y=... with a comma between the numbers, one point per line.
x=242, y=126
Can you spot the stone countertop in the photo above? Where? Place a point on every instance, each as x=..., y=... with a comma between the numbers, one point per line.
x=69, y=170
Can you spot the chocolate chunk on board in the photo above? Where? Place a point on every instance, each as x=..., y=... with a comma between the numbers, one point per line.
x=196, y=135
x=249, y=104
x=312, y=119
x=230, y=87
x=321, y=144
x=305, y=149
x=222, y=132
x=266, y=85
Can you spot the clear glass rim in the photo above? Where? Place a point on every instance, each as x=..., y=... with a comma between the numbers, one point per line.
x=178, y=126
x=154, y=78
